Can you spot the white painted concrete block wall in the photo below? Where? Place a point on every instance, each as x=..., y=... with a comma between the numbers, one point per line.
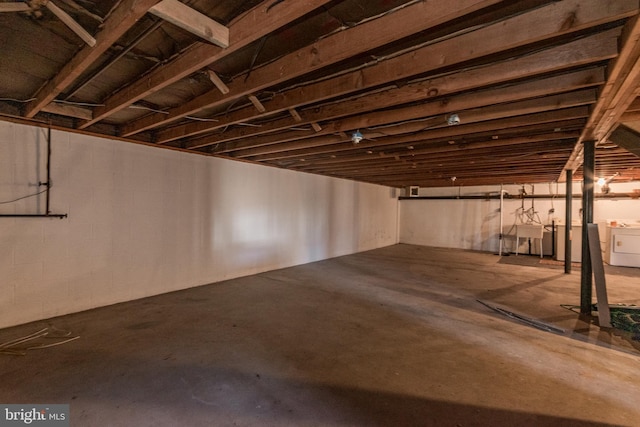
x=144, y=221
x=475, y=224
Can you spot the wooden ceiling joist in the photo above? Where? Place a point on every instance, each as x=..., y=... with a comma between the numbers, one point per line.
x=486, y=91
x=217, y=81
x=540, y=24
x=627, y=139
x=323, y=53
x=569, y=119
x=193, y=21
x=617, y=95
x=431, y=156
x=71, y=23
x=69, y=110
x=584, y=51
x=477, y=113
x=257, y=104
x=430, y=149
x=15, y=7
x=120, y=21
x=244, y=30
x=442, y=106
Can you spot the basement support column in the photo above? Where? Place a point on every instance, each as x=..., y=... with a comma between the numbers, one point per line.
x=586, y=273
x=567, y=222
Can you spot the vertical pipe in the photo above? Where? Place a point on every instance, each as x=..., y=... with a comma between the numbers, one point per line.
x=501, y=218
x=567, y=220
x=586, y=276
x=48, y=183
x=553, y=239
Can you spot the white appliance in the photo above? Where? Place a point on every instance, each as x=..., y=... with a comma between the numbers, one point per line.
x=622, y=246
x=576, y=242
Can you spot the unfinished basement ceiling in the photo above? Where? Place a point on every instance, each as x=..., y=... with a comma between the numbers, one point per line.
x=528, y=80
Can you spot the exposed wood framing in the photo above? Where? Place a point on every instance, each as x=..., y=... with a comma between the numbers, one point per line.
x=295, y=115
x=68, y=110
x=244, y=30
x=627, y=139
x=257, y=104
x=617, y=95
x=14, y=7
x=193, y=21
x=120, y=21
x=216, y=80
x=328, y=51
x=580, y=52
x=508, y=34
x=529, y=81
x=341, y=143
x=461, y=104
x=71, y=23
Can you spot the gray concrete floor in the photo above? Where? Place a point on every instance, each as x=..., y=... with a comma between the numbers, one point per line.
x=390, y=337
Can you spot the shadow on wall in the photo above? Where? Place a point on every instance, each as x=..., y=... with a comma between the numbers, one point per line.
x=479, y=224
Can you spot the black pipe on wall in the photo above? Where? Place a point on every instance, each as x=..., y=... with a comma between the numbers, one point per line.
x=48, y=213
x=33, y=215
x=510, y=197
x=48, y=183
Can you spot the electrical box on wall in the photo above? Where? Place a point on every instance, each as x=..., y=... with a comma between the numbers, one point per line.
x=413, y=191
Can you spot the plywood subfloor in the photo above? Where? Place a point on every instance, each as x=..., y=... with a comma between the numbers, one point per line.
x=393, y=336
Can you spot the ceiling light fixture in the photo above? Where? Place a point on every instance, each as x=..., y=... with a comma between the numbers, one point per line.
x=604, y=183
x=453, y=120
x=356, y=137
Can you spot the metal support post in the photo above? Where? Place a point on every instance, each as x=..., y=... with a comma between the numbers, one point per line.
x=567, y=220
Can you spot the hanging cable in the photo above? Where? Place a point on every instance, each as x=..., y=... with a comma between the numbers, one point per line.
x=24, y=197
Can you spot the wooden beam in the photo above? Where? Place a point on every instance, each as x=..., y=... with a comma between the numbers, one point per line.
x=191, y=20
x=635, y=105
x=579, y=52
x=295, y=115
x=421, y=91
x=14, y=7
x=257, y=104
x=310, y=147
x=244, y=30
x=617, y=95
x=69, y=110
x=433, y=152
x=325, y=52
x=440, y=153
x=121, y=20
x=370, y=165
x=309, y=141
x=626, y=138
x=622, y=87
x=540, y=24
x=216, y=80
x=71, y=23
x=537, y=88
x=459, y=165
x=631, y=116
